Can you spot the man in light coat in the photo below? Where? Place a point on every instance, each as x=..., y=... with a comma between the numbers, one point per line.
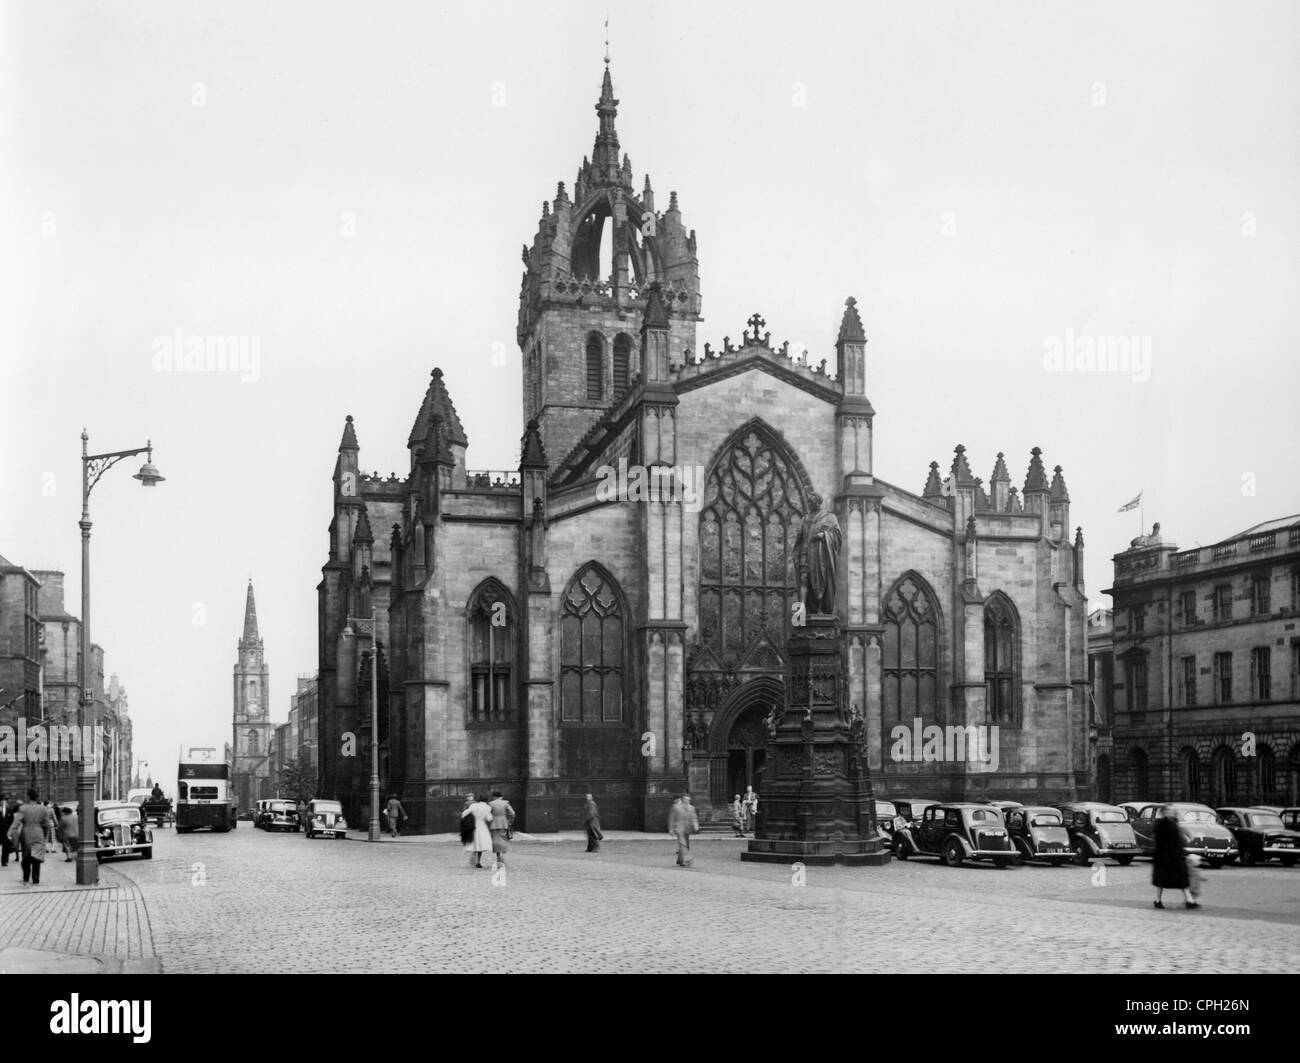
x=503, y=818
x=32, y=825
x=682, y=823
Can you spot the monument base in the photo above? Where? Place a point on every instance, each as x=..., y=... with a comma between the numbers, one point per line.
x=850, y=852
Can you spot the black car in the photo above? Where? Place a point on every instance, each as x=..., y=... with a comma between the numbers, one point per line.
x=1261, y=836
x=1099, y=830
x=956, y=833
x=121, y=830
x=1038, y=833
x=1203, y=833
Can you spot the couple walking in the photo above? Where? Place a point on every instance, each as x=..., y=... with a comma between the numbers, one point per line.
x=486, y=827
x=29, y=829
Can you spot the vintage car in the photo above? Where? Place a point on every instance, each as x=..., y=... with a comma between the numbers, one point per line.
x=1038, y=833
x=1099, y=830
x=911, y=809
x=325, y=820
x=277, y=814
x=121, y=830
x=1261, y=836
x=1291, y=818
x=958, y=832
x=887, y=820
x=1002, y=806
x=1203, y=834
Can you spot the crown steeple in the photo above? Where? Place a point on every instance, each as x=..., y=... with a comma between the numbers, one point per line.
x=605, y=162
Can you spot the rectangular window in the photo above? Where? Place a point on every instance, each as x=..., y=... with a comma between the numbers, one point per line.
x=1187, y=608
x=1295, y=669
x=1222, y=604
x=1189, y=681
x=1139, y=619
x=1260, y=680
x=1223, y=677
x=1259, y=594
x=1295, y=589
x=1136, y=688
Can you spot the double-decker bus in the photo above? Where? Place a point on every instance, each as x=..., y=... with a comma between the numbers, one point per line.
x=203, y=792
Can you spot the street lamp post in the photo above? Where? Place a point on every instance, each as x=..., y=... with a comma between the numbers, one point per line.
x=93, y=466
x=374, y=718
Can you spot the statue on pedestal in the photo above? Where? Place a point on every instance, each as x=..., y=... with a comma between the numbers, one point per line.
x=815, y=549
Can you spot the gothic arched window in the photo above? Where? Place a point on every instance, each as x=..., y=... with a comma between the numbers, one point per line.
x=1266, y=762
x=1190, y=765
x=1001, y=645
x=253, y=748
x=622, y=362
x=491, y=627
x=910, y=653
x=591, y=649
x=595, y=366
x=752, y=507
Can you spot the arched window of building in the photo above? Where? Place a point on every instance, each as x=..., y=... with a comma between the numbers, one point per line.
x=910, y=653
x=595, y=366
x=592, y=672
x=1266, y=764
x=490, y=617
x=1190, y=769
x=1139, y=774
x=1224, y=767
x=753, y=503
x=1001, y=659
x=254, y=745
x=622, y=363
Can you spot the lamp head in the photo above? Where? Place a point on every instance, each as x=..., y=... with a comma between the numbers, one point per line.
x=149, y=474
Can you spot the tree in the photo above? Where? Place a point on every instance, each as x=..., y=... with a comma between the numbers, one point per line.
x=297, y=780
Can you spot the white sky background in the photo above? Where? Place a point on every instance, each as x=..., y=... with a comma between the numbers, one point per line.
x=948, y=168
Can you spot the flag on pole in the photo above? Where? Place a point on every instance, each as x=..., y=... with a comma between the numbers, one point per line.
x=1131, y=505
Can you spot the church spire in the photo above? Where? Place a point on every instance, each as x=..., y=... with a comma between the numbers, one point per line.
x=250, y=616
x=605, y=161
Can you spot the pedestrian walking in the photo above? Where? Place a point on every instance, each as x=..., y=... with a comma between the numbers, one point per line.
x=503, y=820
x=396, y=814
x=7, y=811
x=482, y=840
x=591, y=819
x=682, y=823
x=738, y=816
x=1169, y=862
x=31, y=826
x=467, y=824
x=1195, y=877
x=751, y=809
x=68, y=824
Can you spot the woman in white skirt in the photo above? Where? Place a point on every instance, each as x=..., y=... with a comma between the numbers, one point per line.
x=482, y=841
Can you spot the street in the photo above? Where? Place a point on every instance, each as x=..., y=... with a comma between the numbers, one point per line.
x=255, y=902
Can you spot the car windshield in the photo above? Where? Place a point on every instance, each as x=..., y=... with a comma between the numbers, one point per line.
x=1264, y=820
x=1046, y=819
x=885, y=808
x=1109, y=817
x=118, y=815
x=1197, y=815
x=327, y=809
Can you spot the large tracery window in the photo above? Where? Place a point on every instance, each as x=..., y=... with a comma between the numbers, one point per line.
x=910, y=653
x=490, y=616
x=752, y=507
x=595, y=366
x=1000, y=643
x=591, y=650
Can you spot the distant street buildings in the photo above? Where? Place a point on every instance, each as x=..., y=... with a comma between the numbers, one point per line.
x=1207, y=668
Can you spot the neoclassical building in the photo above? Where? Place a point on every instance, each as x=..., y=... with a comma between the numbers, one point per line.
x=612, y=616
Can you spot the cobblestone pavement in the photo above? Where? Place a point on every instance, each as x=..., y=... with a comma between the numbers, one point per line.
x=254, y=902
x=61, y=927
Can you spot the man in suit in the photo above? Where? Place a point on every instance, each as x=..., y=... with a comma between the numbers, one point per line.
x=682, y=823
x=591, y=817
x=6, y=821
x=32, y=826
x=503, y=818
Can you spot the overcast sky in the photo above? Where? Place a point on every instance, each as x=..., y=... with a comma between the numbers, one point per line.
x=348, y=186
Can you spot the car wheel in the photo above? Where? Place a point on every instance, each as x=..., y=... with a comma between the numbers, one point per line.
x=1288, y=861
x=147, y=852
x=952, y=853
x=1002, y=862
x=1023, y=855
x=1215, y=863
x=1080, y=854
x=1124, y=861
x=1249, y=858
x=900, y=849
x=1058, y=863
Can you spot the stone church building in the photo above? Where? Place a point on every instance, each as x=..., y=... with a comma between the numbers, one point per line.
x=612, y=619
x=250, y=774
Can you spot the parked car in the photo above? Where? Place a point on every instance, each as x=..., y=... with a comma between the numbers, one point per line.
x=277, y=815
x=1277, y=810
x=886, y=820
x=1203, y=833
x=249, y=814
x=121, y=830
x=1099, y=830
x=1038, y=833
x=1261, y=836
x=1002, y=806
x=958, y=832
x=912, y=808
x=325, y=820
x=1291, y=818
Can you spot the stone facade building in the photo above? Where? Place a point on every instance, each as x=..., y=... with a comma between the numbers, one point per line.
x=304, y=716
x=613, y=617
x=1101, y=692
x=1207, y=668
x=251, y=749
x=20, y=663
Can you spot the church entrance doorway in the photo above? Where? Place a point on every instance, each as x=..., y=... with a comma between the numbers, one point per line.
x=741, y=751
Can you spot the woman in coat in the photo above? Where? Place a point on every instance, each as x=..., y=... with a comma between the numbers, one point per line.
x=467, y=824
x=482, y=840
x=1169, y=861
x=738, y=816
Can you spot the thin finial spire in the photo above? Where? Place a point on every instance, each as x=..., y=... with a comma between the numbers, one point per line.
x=607, y=40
